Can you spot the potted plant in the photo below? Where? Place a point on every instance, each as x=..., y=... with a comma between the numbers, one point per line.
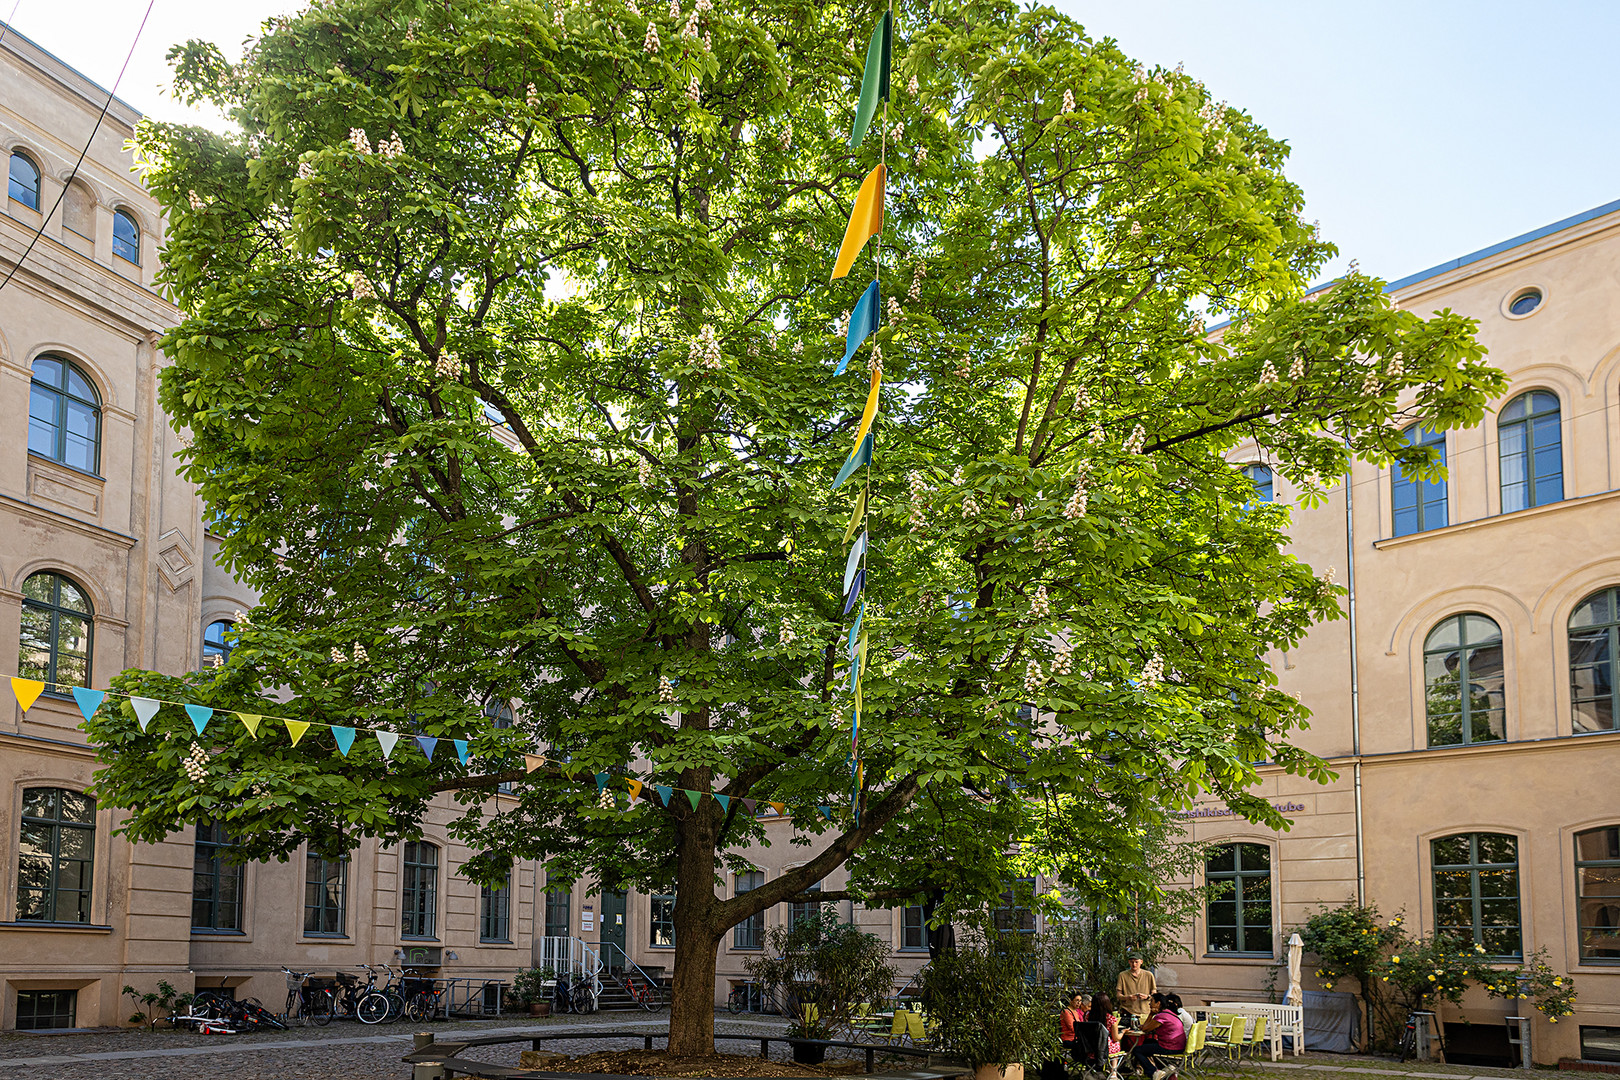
x=823, y=970
x=983, y=1004
x=529, y=989
x=808, y=1023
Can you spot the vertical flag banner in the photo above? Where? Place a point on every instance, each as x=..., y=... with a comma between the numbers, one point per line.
x=27, y=691
x=869, y=413
x=865, y=221
x=856, y=516
x=861, y=457
x=853, y=563
x=874, y=79
x=145, y=709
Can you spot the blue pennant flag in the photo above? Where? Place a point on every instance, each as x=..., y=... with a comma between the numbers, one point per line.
x=826, y=812
x=854, y=561
x=863, y=323
x=344, y=737
x=461, y=749
x=89, y=700
x=427, y=743
x=601, y=782
x=199, y=716
x=855, y=631
x=724, y=801
x=862, y=456
x=664, y=792
x=855, y=589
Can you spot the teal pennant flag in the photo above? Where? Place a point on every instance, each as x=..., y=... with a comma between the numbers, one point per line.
x=199, y=716
x=344, y=737
x=461, y=749
x=863, y=323
x=89, y=700
x=875, y=78
x=664, y=792
x=855, y=631
x=724, y=801
x=862, y=456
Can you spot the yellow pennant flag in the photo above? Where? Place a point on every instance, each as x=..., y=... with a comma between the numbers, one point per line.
x=250, y=722
x=780, y=808
x=296, y=729
x=856, y=516
x=635, y=790
x=860, y=650
x=869, y=412
x=27, y=691
x=532, y=762
x=865, y=221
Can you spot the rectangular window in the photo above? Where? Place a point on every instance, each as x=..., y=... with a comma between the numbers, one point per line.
x=1239, y=915
x=1597, y=894
x=808, y=912
x=750, y=933
x=1013, y=914
x=216, y=884
x=55, y=856
x=494, y=913
x=661, y=927
x=1476, y=891
x=913, y=928
x=419, y=899
x=1419, y=505
x=1597, y=1043
x=326, y=894
x=557, y=900
x=38, y=1009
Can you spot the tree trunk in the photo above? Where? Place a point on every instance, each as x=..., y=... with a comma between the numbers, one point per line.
x=691, y=1000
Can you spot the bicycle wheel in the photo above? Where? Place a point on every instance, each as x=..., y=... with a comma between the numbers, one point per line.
x=321, y=1008
x=738, y=1000
x=257, y=1015
x=208, y=1004
x=372, y=1009
x=419, y=1007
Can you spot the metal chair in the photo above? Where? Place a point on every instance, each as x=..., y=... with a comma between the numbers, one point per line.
x=1190, y=1056
x=1256, y=1038
x=1229, y=1038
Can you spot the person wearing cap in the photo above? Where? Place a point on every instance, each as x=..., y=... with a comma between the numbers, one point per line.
x=1135, y=988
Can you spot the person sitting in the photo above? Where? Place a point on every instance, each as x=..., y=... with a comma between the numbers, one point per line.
x=1103, y=1012
x=1066, y=1021
x=1163, y=1034
x=1174, y=1001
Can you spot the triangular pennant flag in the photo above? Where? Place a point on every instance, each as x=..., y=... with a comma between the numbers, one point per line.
x=386, y=740
x=855, y=591
x=874, y=78
x=664, y=792
x=694, y=797
x=145, y=709
x=461, y=749
x=869, y=412
x=427, y=743
x=635, y=789
x=532, y=762
x=344, y=737
x=860, y=648
x=855, y=630
x=865, y=221
x=89, y=701
x=296, y=729
x=724, y=801
x=826, y=812
x=749, y=804
x=863, y=323
x=854, y=671
x=28, y=691
x=601, y=782
x=780, y=808
x=251, y=722
x=853, y=562
x=199, y=716
x=856, y=516
x=862, y=456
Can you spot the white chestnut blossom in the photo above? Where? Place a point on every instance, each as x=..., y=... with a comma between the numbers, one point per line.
x=708, y=42
x=916, y=282
x=874, y=365
x=970, y=507
x=1096, y=437
x=195, y=200
x=786, y=635
x=337, y=656
x=798, y=348
x=361, y=286
x=786, y=140
x=557, y=16
x=675, y=9
x=911, y=86
x=1153, y=671
x=705, y=350
x=922, y=155
x=196, y=764
x=1296, y=370
x=651, y=44
x=1034, y=679
x=447, y=366
x=1136, y=229
x=357, y=139
x=1397, y=366
x=1077, y=504
x=1268, y=373
x=1068, y=101
x=894, y=310
x=1329, y=574
x=360, y=655
x=532, y=98
x=666, y=690
x=1063, y=659
x=693, y=93
x=1370, y=386
x=1040, y=607
x=305, y=170
x=1133, y=445
x=964, y=367
x=919, y=502
x=644, y=472
x=690, y=30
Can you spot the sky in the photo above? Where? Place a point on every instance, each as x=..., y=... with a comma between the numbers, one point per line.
x=1421, y=130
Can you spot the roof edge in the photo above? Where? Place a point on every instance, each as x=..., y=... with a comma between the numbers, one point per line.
x=1505, y=245
x=92, y=92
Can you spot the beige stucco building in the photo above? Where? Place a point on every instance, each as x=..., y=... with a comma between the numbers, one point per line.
x=1501, y=579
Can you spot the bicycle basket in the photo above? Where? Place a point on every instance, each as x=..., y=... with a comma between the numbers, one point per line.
x=294, y=982
x=321, y=982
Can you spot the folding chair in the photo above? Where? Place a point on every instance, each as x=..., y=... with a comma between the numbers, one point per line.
x=899, y=1027
x=1091, y=1051
x=1256, y=1039
x=1229, y=1039
x=917, y=1029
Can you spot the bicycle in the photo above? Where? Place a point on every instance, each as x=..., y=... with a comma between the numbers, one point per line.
x=1409, y=1037
x=421, y=998
x=752, y=997
x=373, y=1005
x=311, y=1002
x=585, y=992
x=211, y=1006
x=644, y=994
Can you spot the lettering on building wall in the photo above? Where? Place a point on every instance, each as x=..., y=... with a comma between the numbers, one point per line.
x=1224, y=811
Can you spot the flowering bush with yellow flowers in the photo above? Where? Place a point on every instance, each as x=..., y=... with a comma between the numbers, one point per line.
x=1552, y=994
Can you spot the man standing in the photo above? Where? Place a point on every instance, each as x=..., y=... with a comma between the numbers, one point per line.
x=1134, y=991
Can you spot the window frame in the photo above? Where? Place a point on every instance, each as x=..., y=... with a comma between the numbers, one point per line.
x=53, y=892
x=39, y=184
x=1241, y=926
x=1269, y=492
x=807, y=911
x=749, y=934
x=559, y=897
x=1581, y=926
x=1527, y=425
x=221, y=648
x=72, y=1009
x=908, y=924
x=495, y=914
x=63, y=398
x=1474, y=868
x=419, y=891
x=317, y=877
x=1610, y=629
x=217, y=871
x=118, y=242
x=54, y=609
x=1464, y=701
x=661, y=921
x=1418, y=435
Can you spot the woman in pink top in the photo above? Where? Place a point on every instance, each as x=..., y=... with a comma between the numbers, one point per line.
x=1165, y=1034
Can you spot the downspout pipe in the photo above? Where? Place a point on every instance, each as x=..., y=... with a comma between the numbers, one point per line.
x=1355, y=684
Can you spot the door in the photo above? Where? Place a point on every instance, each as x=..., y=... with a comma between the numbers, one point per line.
x=613, y=930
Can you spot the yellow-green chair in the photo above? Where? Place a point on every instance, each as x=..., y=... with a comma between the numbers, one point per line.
x=1256, y=1039
x=916, y=1029
x=1188, y=1059
x=1229, y=1038
x=899, y=1027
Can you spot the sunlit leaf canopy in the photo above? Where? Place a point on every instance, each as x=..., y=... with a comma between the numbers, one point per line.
x=506, y=361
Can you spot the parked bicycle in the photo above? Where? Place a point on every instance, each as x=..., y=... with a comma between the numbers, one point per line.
x=421, y=997
x=374, y=1004
x=308, y=998
x=752, y=997
x=644, y=993
x=212, y=1006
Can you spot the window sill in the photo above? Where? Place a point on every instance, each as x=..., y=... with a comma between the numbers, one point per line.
x=56, y=927
x=1515, y=515
x=414, y=937
x=1245, y=957
x=920, y=950
x=312, y=935
x=74, y=469
x=494, y=941
x=748, y=948
x=662, y=948
x=209, y=931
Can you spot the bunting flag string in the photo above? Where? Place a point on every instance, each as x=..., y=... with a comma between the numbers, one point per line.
x=863, y=323
x=865, y=221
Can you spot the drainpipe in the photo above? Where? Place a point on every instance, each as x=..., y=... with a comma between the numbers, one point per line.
x=1355, y=684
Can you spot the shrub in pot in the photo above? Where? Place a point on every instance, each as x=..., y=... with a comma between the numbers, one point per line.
x=809, y=1024
x=529, y=990
x=984, y=1006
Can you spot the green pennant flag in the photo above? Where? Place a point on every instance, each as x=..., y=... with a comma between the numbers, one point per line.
x=875, y=78
x=694, y=796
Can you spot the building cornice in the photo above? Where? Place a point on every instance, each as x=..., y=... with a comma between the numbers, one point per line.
x=1494, y=519
x=51, y=517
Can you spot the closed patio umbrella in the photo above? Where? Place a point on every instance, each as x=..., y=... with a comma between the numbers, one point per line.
x=1296, y=992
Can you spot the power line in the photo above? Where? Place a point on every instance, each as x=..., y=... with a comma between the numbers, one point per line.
x=72, y=175
x=5, y=27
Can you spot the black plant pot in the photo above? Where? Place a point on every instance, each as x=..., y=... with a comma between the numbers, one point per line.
x=809, y=1053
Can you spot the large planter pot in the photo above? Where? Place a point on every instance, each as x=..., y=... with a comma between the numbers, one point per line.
x=1014, y=1071
x=540, y=1008
x=813, y=1053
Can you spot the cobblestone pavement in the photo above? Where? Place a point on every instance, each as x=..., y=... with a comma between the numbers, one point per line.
x=343, y=1051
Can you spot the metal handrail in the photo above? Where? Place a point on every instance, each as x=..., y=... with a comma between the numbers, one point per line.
x=656, y=987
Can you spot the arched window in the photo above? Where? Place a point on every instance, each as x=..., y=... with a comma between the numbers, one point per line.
x=64, y=415
x=216, y=645
x=23, y=184
x=1420, y=505
x=1260, y=477
x=1594, y=653
x=1239, y=881
x=1463, y=685
x=126, y=237
x=1532, y=452
x=420, y=902
x=1597, y=892
x=56, y=620
x=56, y=848
x=1476, y=891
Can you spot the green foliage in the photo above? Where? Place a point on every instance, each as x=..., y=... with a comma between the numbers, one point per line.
x=1350, y=941
x=529, y=985
x=165, y=997
x=984, y=1000
x=832, y=965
